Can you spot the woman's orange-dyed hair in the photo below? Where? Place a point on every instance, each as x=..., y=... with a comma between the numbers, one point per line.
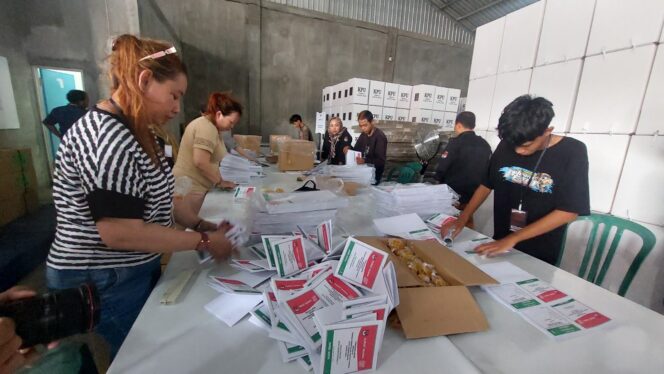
x=125, y=67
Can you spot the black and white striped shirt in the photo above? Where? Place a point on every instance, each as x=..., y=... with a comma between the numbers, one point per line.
x=102, y=171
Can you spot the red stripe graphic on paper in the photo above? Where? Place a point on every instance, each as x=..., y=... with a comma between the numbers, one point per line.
x=326, y=239
x=303, y=303
x=298, y=252
x=380, y=314
x=291, y=284
x=592, y=319
x=229, y=281
x=341, y=287
x=366, y=343
x=551, y=295
x=371, y=269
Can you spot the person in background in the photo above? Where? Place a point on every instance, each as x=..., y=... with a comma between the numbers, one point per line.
x=201, y=147
x=372, y=143
x=112, y=186
x=303, y=131
x=229, y=141
x=65, y=116
x=465, y=161
x=337, y=141
x=539, y=180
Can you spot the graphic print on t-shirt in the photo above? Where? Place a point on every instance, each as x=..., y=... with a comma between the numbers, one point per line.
x=542, y=182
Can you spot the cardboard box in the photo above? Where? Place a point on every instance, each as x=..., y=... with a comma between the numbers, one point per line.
x=349, y=113
x=438, y=118
x=440, y=99
x=403, y=100
x=250, y=142
x=376, y=93
x=435, y=311
x=453, y=96
x=296, y=155
x=358, y=91
x=275, y=140
x=422, y=97
x=449, y=121
x=377, y=112
x=403, y=115
x=421, y=116
x=391, y=95
x=389, y=114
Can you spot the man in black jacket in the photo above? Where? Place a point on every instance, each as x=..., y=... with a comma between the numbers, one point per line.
x=464, y=162
x=372, y=143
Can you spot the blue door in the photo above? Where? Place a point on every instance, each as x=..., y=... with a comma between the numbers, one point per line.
x=55, y=85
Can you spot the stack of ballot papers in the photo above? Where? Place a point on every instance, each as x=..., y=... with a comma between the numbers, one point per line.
x=361, y=174
x=422, y=199
x=238, y=169
x=325, y=305
x=278, y=213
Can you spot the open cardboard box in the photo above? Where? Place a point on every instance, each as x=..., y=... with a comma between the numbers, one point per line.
x=275, y=140
x=250, y=142
x=434, y=311
x=296, y=155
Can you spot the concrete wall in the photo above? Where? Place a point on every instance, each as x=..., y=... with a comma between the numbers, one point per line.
x=55, y=33
x=277, y=59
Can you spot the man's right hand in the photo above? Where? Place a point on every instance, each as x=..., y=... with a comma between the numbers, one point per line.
x=455, y=227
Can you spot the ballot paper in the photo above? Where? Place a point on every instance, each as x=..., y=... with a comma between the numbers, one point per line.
x=351, y=347
x=268, y=241
x=299, y=309
x=238, y=169
x=290, y=256
x=231, y=308
x=351, y=157
x=361, y=264
x=439, y=219
x=243, y=192
x=420, y=198
x=252, y=266
x=302, y=201
x=550, y=310
x=360, y=174
x=407, y=226
x=324, y=236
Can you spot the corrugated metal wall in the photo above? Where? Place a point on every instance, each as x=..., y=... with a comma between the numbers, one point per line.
x=418, y=16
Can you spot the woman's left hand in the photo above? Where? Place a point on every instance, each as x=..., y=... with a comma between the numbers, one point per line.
x=226, y=185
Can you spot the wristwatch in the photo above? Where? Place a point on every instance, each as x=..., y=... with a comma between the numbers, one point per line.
x=204, y=243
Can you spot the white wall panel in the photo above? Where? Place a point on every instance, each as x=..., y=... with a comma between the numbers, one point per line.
x=606, y=154
x=652, y=112
x=520, y=39
x=620, y=24
x=480, y=95
x=509, y=86
x=565, y=30
x=640, y=193
x=492, y=138
x=486, y=51
x=558, y=83
x=612, y=87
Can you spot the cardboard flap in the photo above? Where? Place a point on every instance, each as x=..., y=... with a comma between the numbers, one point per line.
x=433, y=311
x=453, y=264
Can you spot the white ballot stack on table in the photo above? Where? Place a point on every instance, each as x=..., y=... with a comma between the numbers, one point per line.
x=327, y=314
x=238, y=169
x=422, y=199
x=361, y=174
x=279, y=213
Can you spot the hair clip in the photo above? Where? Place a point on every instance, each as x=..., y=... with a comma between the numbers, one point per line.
x=159, y=54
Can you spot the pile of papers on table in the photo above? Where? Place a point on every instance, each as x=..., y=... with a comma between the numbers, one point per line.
x=361, y=174
x=238, y=169
x=325, y=307
x=419, y=198
x=278, y=213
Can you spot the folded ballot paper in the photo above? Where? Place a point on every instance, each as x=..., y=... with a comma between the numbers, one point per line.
x=329, y=315
x=420, y=198
x=238, y=169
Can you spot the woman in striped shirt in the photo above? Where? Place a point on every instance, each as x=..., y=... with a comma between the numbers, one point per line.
x=113, y=189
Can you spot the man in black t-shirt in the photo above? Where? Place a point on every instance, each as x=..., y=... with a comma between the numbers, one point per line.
x=372, y=143
x=65, y=116
x=464, y=162
x=540, y=183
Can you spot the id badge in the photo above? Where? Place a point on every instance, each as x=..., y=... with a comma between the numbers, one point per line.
x=517, y=220
x=168, y=150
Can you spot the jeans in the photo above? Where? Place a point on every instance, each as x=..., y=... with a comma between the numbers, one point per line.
x=122, y=293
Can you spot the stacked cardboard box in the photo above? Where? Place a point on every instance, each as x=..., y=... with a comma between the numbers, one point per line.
x=18, y=184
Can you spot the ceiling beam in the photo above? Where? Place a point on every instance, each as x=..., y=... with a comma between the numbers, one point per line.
x=491, y=4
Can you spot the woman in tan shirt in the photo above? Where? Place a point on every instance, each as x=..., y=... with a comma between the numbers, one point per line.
x=201, y=148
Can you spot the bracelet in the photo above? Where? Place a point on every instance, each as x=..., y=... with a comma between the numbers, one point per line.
x=204, y=243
